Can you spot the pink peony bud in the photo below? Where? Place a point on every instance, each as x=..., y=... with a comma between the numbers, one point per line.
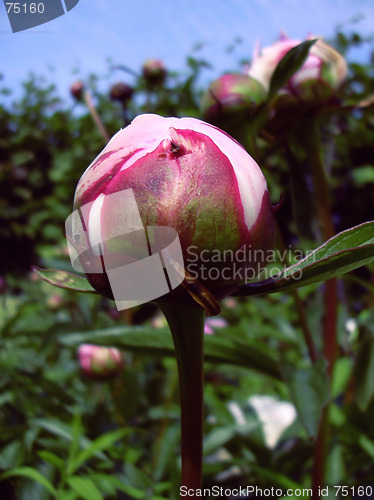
x=212, y=323
x=98, y=362
x=154, y=72
x=232, y=97
x=54, y=301
x=121, y=92
x=76, y=90
x=320, y=77
x=186, y=175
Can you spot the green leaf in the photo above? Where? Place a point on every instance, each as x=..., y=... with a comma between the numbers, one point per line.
x=106, y=481
x=222, y=435
x=309, y=390
x=11, y=455
x=277, y=479
x=290, y=63
x=344, y=252
x=137, y=478
x=100, y=444
x=364, y=373
x=30, y=473
x=65, y=432
x=85, y=488
x=166, y=454
x=51, y=458
x=64, y=279
x=231, y=351
x=367, y=445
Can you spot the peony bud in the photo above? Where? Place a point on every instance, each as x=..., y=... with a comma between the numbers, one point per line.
x=154, y=72
x=121, y=92
x=319, y=78
x=54, y=301
x=98, y=362
x=179, y=174
x=212, y=323
x=232, y=97
x=76, y=90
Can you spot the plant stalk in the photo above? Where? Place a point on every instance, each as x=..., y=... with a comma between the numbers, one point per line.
x=96, y=117
x=311, y=140
x=187, y=328
x=303, y=320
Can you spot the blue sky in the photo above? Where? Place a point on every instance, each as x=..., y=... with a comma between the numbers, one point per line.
x=130, y=31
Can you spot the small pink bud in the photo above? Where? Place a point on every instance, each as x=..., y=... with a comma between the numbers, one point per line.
x=121, y=92
x=178, y=173
x=232, y=97
x=212, y=323
x=76, y=90
x=100, y=363
x=154, y=72
x=54, y=301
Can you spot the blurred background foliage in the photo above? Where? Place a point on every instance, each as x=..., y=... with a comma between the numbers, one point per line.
x=67, y=436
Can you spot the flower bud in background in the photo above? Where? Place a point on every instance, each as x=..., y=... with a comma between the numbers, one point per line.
x=77, y=90
x=121, y=92
x=100, y=363
x=187, y=175
x=212, y=323
x=154, y=72
x=316, y=82
x=231, y=99
x=54, y=301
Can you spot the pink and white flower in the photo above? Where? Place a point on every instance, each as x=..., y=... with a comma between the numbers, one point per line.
x=100, y=362
x=323, y=64
x=187, y=175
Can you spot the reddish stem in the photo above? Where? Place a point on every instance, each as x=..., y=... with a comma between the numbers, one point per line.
x=187, y=327
x=311, y=141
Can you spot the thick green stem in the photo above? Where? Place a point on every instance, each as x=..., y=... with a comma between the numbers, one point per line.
x=187, y=328
x=311, y=140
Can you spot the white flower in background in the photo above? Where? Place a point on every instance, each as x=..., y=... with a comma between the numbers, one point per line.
x=275, y=416
x=236, y=412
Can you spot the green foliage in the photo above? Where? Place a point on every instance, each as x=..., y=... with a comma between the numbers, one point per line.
x=290, y=63
x=67, y=437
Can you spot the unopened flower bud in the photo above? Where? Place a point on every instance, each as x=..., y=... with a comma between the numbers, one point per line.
x=154, y=72
x=175, y=179
x=54, y=301
x=100, y=363
x=232, y=97
x=77, y=90
x=121, y=92
x=319, y=78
